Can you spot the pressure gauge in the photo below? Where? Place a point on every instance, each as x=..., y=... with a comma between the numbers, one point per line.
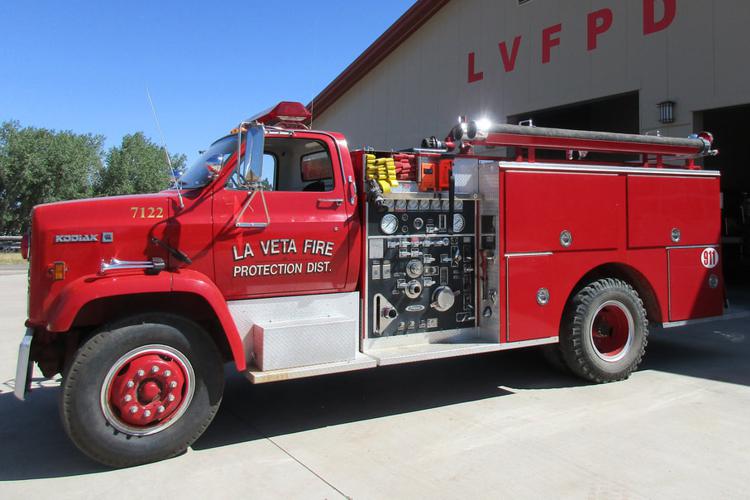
x=413, y=204
x=459, y=223
x=424, y=205
x=389, y=224
x=435, y=205
x=388, y=204
x=446, y=205
x=458, y=205
x=400, y=205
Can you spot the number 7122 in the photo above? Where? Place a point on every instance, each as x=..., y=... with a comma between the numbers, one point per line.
x=147, y=212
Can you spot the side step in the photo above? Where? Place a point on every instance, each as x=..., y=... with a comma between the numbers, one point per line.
x=360, y=362
x=424, y=352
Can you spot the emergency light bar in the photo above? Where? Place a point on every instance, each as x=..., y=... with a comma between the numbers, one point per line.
x=483, y=133
x=288, y=114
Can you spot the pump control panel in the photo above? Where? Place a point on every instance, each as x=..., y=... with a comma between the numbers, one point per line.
x=421, y=262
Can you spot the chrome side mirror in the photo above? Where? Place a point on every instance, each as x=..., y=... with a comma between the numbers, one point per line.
x=253, y=160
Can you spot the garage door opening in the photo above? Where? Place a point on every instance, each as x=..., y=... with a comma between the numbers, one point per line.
x=731, y=129
x=611, y=114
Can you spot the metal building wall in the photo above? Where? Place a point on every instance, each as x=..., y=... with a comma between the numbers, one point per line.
x=698, y=61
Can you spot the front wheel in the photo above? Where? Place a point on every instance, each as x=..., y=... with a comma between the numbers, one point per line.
x=142, y=390
x=604, y=332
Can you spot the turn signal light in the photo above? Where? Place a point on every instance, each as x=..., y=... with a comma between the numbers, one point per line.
x=58, y=270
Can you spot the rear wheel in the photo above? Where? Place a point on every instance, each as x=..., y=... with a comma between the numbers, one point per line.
x=604, y=333
x=142, y=390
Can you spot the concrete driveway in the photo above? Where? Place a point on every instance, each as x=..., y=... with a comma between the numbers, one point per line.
x=501, y=425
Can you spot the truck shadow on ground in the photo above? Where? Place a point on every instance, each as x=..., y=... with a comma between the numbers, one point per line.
x=34, y=444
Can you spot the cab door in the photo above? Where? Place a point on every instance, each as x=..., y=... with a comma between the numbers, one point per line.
x=304, y=247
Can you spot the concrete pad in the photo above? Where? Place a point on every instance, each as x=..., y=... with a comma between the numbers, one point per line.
x=489, y=426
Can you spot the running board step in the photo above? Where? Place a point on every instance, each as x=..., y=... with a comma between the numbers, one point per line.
x=423, y=352
x=360, y=362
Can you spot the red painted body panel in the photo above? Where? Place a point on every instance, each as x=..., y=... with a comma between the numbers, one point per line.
x=296, y=265
x=690, y=295
x=85, y=217
x=539, y=206
x=560, y=273
x=658, y=204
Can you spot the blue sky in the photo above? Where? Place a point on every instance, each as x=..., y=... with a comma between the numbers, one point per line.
x=85, y=65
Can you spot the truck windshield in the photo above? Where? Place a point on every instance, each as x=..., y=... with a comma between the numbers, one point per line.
x=198, y=174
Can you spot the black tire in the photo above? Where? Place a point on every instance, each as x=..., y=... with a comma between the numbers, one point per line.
x=83, y=409
x=593, y=341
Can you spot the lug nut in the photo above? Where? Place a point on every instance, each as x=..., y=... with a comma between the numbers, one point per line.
x=147, y=413
x=154, y=369
x=167, y=373
x=133, y=409
x=173, y=384
x=128, y=397
x=130, y=384
x=170, y=397
x=160, y=409
x=140, y=373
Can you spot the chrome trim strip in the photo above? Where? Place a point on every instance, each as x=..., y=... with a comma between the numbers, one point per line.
x=607, y=169
x=116, y=264
x=528, y=254
x=24, y=366
x=685, y=247
x=690, y=322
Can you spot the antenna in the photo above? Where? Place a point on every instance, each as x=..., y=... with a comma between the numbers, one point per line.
x=166, y=152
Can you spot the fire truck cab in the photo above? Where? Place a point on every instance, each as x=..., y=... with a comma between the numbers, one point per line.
x=285, y=253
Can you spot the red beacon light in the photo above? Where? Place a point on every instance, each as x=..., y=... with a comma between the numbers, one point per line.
x=286, y=114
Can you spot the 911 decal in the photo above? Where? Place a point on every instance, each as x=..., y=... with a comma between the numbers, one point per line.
x=282, y=247
x=709, y=258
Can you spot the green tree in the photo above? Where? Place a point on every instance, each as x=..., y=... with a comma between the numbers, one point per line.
x=39, y=165
x=138, y=165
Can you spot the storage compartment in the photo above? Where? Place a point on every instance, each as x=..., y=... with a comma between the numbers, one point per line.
x=696, y=288
x=669, y=211
x=548, y=211
x=304, y=342
x=535, y=300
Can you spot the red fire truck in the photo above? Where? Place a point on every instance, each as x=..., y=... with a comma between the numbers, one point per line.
x=284, y=253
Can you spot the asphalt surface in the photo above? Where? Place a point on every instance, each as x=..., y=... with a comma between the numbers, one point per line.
x=497, y=425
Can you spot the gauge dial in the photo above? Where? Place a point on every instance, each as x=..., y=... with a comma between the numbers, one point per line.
x=389, y=204
x=424, y=205
x=459, y=223
x=413, y=204
x=435, y=205
x=446, y=205
x=389, y=224
x=400, y=205
x=458, y=205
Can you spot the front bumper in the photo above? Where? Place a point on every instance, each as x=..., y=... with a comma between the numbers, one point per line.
x=23, y=368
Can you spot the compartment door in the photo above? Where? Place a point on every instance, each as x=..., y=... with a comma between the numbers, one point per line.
x=529, y=317
x=696, y=288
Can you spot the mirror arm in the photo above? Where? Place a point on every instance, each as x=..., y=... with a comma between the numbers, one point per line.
x=250, y=196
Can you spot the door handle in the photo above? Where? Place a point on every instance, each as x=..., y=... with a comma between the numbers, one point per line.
x=337, y=201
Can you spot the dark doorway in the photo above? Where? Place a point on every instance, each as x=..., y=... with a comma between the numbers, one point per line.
x=731, y=130
x=610, y=114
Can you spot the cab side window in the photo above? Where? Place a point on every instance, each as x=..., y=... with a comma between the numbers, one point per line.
x=291, y=164
x=300, y=165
